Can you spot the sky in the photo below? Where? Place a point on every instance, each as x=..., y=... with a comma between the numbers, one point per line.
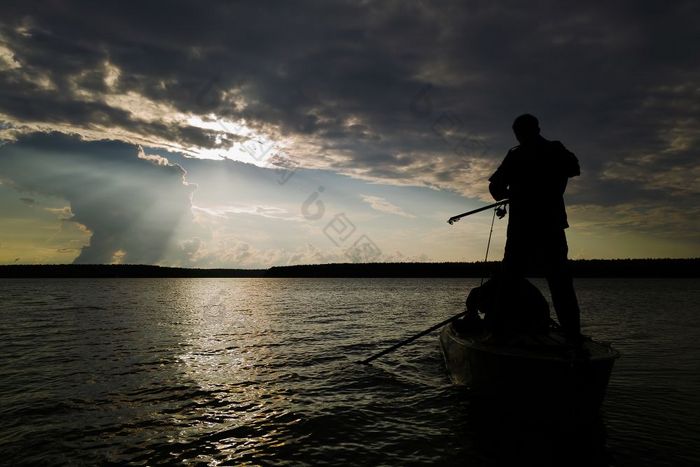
x=251, y=134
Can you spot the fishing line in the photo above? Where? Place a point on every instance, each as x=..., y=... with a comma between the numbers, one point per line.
x=462, y=313
x=488, y=245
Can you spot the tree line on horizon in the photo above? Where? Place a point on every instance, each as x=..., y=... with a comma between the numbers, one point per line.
x=689, y=267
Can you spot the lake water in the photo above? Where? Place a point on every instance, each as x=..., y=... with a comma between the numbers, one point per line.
x=261, y=371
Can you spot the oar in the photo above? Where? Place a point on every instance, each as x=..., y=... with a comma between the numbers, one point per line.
x=448, y=320
x=411, y=339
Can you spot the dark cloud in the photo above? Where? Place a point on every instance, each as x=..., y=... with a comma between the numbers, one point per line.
x=28, y=102
x=132, y=206
x=616, y=81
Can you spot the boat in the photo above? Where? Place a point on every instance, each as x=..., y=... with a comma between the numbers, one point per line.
x=526, y=365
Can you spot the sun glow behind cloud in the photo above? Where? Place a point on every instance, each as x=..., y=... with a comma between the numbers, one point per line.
x=237, y=141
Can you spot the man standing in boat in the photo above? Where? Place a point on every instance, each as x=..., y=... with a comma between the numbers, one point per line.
x=533, y=176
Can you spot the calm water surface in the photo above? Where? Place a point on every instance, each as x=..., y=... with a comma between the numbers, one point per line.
x=261, y=371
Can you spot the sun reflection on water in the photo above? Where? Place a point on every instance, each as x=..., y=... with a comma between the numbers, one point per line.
x=239, y=412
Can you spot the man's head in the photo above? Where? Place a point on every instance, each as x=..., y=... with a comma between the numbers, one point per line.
x=526, y=128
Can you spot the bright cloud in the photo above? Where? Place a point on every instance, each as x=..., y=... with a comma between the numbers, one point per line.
x=380, y=204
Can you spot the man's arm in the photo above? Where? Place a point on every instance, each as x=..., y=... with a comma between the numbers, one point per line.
x=569, y=162
x=498, y=190
x=498, y=186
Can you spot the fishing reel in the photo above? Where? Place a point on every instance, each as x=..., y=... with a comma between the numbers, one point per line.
x=501, y=211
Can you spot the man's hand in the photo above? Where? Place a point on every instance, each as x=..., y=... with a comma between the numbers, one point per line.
x=501, y=211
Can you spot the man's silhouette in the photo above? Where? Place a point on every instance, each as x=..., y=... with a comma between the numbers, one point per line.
x=533, y=176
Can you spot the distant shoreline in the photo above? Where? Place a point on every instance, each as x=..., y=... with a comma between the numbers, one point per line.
x=651, y=268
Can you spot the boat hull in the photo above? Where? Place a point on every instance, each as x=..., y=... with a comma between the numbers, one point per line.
x=540, y=367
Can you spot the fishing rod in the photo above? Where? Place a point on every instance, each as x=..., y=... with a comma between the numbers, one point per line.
x=454, y=219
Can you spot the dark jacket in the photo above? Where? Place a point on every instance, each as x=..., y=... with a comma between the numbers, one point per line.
x=534, y=178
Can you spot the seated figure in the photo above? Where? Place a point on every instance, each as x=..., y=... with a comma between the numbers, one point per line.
x=509, y=305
